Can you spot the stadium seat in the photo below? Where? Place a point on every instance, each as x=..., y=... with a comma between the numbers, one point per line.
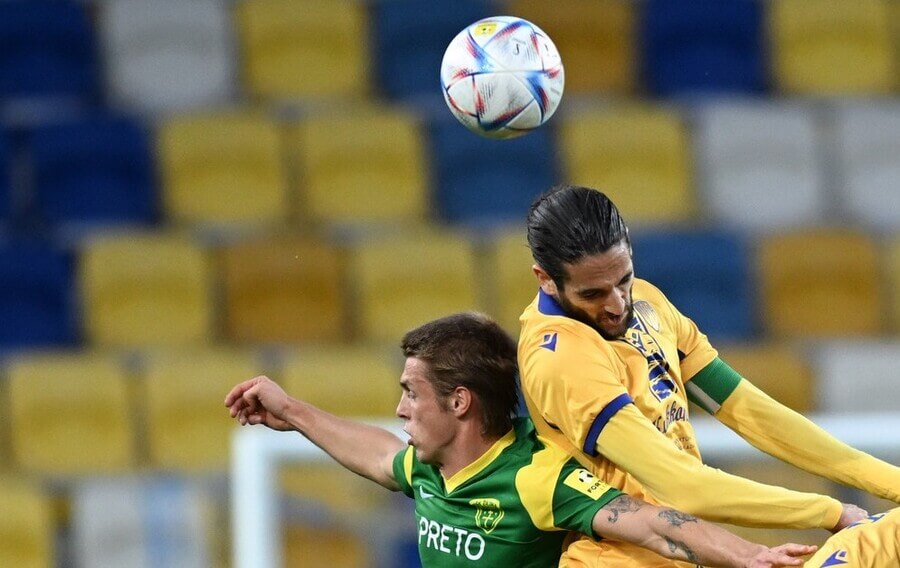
x=141, y=523
x=832, y=47
x=284, y=290
x=513, y=285
x=777, y=369
x=93, y=171
x=638, y=155
x=26, y=525
x=703, y=46
x=360, y=166
x=223, y=169
x=167, y=55
x=409, y=42
x=706, y=274
x=868, y=142
x=595, y=37
x=408, y=279
x=296, y=49
x=480, y=182
x=821, y=283
x=306, y=545
x=758, y=164
x=188, y=428
x=91, y=429
x=6, y=186
x=145, y=289
x=48, y=51
x=352, y=380
x=36, y=299
x=857, y=376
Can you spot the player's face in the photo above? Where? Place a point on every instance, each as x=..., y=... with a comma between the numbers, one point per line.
x=430, y=424
x=598, y=290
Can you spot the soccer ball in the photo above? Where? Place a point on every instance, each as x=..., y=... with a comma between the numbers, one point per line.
x=502, y=77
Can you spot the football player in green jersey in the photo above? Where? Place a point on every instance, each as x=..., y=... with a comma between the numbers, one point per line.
x=488, y=491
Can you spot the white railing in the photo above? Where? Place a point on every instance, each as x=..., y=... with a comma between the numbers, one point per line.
x=257, y=453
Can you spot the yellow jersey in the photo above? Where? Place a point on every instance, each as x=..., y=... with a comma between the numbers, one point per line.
x=871, y=543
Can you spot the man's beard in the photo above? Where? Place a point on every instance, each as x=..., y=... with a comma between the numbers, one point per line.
x=584, y=318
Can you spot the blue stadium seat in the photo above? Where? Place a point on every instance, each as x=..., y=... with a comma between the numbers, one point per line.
x=5, y=179
x=46, y=49
x=480, y=181
x=93, y=171
x=703, y=46
x=35, y=295
x=409, y=40
x=707, y=275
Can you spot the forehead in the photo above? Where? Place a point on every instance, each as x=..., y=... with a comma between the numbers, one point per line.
x=600, y=270
x=415, y=373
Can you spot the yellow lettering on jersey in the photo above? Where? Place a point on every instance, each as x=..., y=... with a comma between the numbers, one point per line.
x=583, y=481
x=488, y=514
x=485, y=29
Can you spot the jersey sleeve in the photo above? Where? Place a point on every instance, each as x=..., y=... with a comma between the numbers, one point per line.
x=575, y=386
x=403, y=466
x=577, y=498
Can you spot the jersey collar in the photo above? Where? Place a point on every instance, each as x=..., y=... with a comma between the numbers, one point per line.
x=548, y=305
x=482, y=462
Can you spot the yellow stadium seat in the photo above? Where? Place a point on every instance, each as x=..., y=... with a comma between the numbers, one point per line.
x=188, y=426
x=223, y=169
x=26, y=525
x=821, y=283
x=145, y=288
x=596, y=39
x=360, y=166
x=637, y=155
x=776, y=369
x=513, y=284
x=284, y=290
x=329, y=488
x=405, y=280
x=323, y=546
x=894, y=281
x=311, y=49
x=832, y=47
x=70, y=414
x=347, y=380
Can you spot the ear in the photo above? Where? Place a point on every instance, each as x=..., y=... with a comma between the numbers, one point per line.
x=460, y=401
x=547, y=284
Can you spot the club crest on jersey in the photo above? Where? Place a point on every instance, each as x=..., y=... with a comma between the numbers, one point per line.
x=488, y=514
x=646, y=311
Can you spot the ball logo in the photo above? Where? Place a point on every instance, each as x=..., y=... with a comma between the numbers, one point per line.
x=485, y=29
x=488, y=514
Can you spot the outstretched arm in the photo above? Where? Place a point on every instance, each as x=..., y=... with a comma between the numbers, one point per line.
x=365, y=450
x=779, y=431
x=680, y=536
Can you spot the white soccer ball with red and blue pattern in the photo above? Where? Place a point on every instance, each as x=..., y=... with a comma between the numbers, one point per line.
x=502, y=77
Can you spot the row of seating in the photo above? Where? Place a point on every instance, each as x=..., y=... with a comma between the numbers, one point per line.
x=753, y=165
x=162, y=288
x=179, y=54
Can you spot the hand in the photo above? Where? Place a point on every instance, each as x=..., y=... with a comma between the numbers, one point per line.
x=784, y=555
x=850, y=515
x=259, y=401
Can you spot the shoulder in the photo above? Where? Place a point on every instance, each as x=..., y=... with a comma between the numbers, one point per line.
x=650, y=303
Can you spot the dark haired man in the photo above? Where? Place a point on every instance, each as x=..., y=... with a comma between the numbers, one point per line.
x=608, y=366
x=487, y=490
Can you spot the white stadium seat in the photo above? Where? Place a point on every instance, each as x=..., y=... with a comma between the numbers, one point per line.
x=167, y=55
x=868, y=146
x=759, y=166
x=858, y=376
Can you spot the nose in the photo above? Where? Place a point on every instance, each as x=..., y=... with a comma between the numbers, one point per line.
x=401, y=411
x=617, y=302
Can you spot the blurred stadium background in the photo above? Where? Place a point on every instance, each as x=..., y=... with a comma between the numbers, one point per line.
x=193, y=192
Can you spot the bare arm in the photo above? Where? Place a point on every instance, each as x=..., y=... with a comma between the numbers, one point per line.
x=680, y=536
x=365, y=450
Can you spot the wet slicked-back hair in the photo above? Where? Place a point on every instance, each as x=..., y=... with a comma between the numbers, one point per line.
x=470, y=350
x=570, y=222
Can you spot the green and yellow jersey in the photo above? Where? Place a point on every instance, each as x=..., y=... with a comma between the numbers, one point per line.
x=513, y=506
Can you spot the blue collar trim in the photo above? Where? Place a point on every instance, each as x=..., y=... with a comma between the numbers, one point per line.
x=548, y=306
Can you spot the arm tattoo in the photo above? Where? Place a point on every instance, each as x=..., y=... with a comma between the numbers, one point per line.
x=676, y=518
x=678, y=546
x=621, y=505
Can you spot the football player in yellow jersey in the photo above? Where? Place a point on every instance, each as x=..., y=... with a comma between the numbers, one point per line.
x=607, y=368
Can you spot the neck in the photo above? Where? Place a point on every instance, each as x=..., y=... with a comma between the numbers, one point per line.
x=467, y=446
